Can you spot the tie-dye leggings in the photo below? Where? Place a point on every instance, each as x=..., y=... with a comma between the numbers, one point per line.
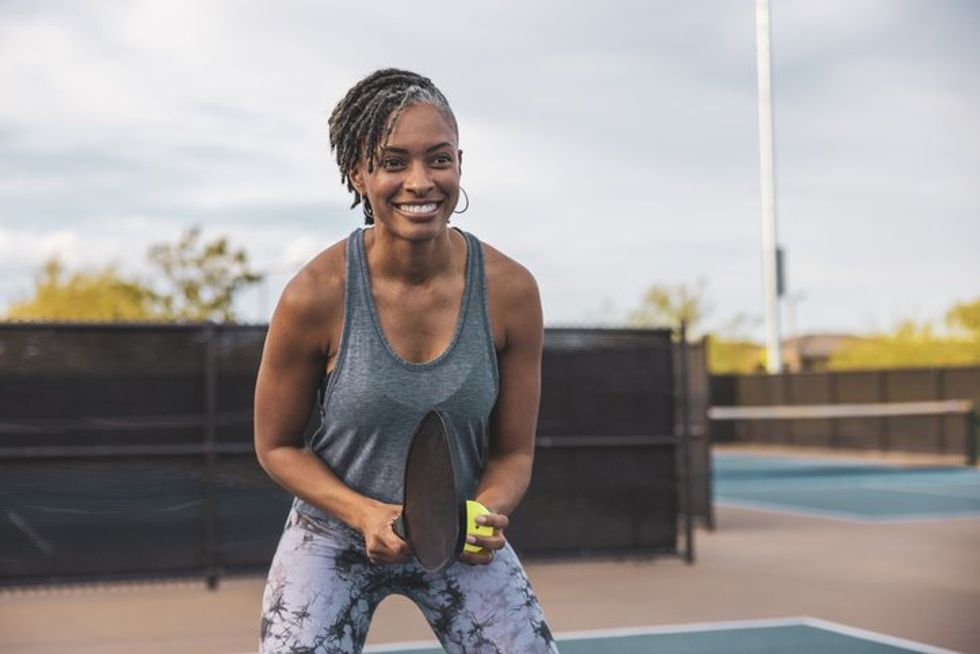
x=322, y=591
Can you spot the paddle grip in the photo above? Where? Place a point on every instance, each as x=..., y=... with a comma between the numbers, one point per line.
x=399, y=527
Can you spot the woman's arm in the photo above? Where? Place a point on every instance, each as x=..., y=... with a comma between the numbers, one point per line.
x=514, y=420
x=293, y=361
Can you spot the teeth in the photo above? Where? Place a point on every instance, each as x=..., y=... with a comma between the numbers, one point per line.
x=418, y=208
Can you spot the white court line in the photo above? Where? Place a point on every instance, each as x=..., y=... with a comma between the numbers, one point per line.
x=405, y=646
x=621, y=632
x=853, y=518
x=829, y=486
x=928, y=490
x=766, y=623
x=793, y=511
x=875, y=636
x=836, y=483
x=697, y=627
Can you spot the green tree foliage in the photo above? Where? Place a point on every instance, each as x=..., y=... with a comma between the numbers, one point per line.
x=666, y=306
x=201, y=278
x=964, y=318
x=200, y=281
x=909, y=345
x=730, y=351
x=734, y=357
x=93, y=295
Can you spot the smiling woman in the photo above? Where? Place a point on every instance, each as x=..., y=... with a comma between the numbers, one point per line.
x=400, y=318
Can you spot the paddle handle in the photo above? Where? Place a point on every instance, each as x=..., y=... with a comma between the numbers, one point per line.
x=399, y=527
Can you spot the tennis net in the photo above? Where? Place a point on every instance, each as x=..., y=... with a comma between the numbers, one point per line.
x=939, y=427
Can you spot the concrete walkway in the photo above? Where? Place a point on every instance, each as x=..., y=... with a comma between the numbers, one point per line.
x=919, y=581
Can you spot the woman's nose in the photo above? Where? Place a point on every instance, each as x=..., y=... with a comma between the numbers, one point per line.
x=417, y=179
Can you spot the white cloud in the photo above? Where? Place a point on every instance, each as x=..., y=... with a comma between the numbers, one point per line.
x=607, y=147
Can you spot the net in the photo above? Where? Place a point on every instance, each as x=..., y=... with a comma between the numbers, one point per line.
x=935, y=427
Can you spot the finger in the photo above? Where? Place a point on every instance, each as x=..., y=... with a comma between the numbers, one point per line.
x=496, y=520
x=495, y=542
x=395, y=546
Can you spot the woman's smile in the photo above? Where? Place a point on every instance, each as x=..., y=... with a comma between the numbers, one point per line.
x=419, y=211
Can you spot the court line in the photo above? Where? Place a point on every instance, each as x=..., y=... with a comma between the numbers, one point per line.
x=853, y=518
x=924, y=489
x=620, y=632
x=835, y=483
x=829, y=488
x=698, y=627
x=920, y=489
x=866, y=634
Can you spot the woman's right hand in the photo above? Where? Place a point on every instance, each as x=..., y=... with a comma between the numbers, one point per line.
x=382, y=545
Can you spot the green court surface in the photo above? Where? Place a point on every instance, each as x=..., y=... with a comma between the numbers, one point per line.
x=847, y=490
x=789, y=635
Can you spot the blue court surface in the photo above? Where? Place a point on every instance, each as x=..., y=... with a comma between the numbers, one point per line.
x=846, y=490
x=788, y=635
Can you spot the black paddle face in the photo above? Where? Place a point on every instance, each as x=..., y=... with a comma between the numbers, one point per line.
x=434, y=511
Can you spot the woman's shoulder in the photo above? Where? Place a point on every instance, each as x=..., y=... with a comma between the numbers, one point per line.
x=507, y=278
x=317, y=289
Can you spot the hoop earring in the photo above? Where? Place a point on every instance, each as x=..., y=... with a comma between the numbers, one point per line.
x=463, y=191
x=368, y=211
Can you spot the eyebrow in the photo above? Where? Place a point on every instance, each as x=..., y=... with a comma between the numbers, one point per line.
x=437, y=146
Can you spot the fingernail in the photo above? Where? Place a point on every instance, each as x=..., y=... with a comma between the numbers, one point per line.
x=481, y=520
x=471, y=540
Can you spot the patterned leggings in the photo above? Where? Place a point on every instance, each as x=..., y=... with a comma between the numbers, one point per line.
x=322, y=591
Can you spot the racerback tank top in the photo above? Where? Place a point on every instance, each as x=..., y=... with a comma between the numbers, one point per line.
x=372, y=400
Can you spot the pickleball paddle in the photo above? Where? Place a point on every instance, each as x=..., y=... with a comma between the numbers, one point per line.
x=433, y=518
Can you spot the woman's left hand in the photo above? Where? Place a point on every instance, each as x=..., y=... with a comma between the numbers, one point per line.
x=490, y=544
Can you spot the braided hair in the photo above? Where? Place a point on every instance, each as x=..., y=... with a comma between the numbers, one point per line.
x=361, y=123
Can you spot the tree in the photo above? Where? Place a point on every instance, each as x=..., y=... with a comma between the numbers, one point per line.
x=200, y=283
x=965, y=317
x=664, y=305
x=96, y=295
x=909, y=344
x=201, y=278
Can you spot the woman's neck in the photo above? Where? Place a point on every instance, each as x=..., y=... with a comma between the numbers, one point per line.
x=415, y=263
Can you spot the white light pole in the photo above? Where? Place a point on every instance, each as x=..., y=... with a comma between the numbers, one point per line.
x=774, y=361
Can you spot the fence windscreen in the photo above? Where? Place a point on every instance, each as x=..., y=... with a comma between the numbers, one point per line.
x=126, y=451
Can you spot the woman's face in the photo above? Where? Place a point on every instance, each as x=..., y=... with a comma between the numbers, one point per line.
x=414, y=186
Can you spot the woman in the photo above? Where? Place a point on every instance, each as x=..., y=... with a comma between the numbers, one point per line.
x=376, y=330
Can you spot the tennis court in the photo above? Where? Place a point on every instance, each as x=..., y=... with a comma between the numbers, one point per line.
x=846, y=489
x=798, y=635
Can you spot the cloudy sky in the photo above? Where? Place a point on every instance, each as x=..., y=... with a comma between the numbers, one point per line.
x=609, y=145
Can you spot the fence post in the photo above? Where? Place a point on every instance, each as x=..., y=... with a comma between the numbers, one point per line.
x=210, y=494
x=707, y=436
x=686, y=453
x=835, y=440
x=972, y=424
x=939, y=391
x=883, y=439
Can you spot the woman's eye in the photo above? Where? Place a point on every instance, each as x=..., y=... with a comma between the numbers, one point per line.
x=442, y=159
x=391, y=163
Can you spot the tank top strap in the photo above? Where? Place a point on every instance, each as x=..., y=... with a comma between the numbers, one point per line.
x=478, y=309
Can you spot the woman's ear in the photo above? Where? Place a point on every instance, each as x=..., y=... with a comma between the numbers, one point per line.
x=356, y=177
x=459, y=161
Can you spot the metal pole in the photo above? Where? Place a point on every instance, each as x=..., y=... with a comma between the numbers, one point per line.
x=706, y=435
x=686, y=454
x=210, y=494
x=774, y=361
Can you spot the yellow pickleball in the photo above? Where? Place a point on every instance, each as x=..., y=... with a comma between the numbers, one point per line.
x=474, y=509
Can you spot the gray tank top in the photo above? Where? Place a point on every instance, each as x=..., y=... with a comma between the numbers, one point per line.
x=372, y=400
